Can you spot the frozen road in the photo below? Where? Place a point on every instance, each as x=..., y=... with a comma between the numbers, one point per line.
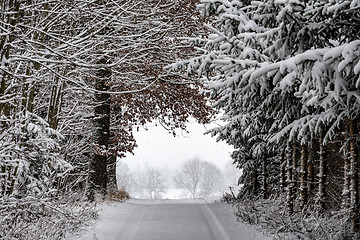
x=170, y=220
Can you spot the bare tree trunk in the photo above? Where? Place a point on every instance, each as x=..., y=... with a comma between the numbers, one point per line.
x=282, y=171
x=2, y=91
x=294, y=175
x=5, y=46
x=289, y=180
x=111, y=173
x=354, y=178
x=346, y=185
x=264, y=176
x=97, y=178
x=255, y=182
x=303, y=177
x=55, y=103
x=12, y=7
x=322, y=172
x=310, y=172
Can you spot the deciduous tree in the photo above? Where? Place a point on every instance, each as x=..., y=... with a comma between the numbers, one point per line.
x=153, y=183
x=199, y=178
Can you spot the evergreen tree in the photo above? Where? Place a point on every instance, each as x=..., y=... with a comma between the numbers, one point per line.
x=284, y=73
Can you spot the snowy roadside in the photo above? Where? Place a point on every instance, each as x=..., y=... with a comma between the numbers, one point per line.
x=43, y=218
x=168, y=220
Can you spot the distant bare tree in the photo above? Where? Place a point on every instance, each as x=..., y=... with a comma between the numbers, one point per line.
x=124, y=177
x=200, y=178
x=153, y=183
x=212, y=180
x=190, y=176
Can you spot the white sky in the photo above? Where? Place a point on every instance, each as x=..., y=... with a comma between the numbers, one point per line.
x=159, y=149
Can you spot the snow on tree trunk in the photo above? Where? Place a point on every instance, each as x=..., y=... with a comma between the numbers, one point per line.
x=111, y=174
x=282, y=171
x=5, y=47
x=346, y=152
x=294, y=175
x=282, y=176
x=310, y=172
x=321, y=198
x=55, y=103
x=354, y=178
x=289, y=180
x=255, y=189
x=303, y=177
x=9, y=167
x=264, y=176
x=97, y=178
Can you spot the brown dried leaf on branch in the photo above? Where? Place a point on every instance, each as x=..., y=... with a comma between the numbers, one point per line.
x=155, y=93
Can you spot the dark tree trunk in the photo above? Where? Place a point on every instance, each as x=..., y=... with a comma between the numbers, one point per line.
x=55, y=104
x=264, y=176
x=303, y=177
x=289, y=180
x=5, y=50
x=354, y=178
x=294, y=176
x=111, y=173
x=255, y=182
x=310, y=172
x=97, y=179
x=346, y=185
x=282, y=171
x=322, y=172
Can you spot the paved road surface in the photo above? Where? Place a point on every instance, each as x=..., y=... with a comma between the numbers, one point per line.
x=149, y=220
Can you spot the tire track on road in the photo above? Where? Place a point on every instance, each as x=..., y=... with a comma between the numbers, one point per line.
x=131, y=227
x=213, y=224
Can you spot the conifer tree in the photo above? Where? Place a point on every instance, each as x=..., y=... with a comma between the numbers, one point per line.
x=284, y=72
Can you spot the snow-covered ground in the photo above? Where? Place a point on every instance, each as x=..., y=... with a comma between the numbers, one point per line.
x=169, y=220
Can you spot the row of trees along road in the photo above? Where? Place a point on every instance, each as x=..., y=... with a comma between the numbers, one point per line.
x=76, y=76
x=286, y=75
x=200, y=179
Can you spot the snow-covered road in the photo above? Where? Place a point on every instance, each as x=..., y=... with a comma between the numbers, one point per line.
x=170, y=220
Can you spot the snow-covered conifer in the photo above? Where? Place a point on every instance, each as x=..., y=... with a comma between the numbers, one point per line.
x=283, y=71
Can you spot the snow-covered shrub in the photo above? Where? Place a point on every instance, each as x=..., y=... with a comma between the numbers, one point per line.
x=121, y=194
x=228, y=197
x=271, y=215
x=42, y=218
x=29, y=157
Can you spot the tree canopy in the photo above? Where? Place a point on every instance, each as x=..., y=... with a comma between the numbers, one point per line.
x=286, y=76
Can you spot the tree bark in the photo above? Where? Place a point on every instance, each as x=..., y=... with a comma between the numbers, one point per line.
x=5, y=46
x=289, y=180
x=97, y=178
x=264, y=176
x=55, y=104
x=111, y=173
x=310, y=172
x=303, y=177
x=282, y=171
x=255, y=182
x=354, y=178
x=346, y=185
x=282, y=176
x=294, y=175
x=322, y=172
